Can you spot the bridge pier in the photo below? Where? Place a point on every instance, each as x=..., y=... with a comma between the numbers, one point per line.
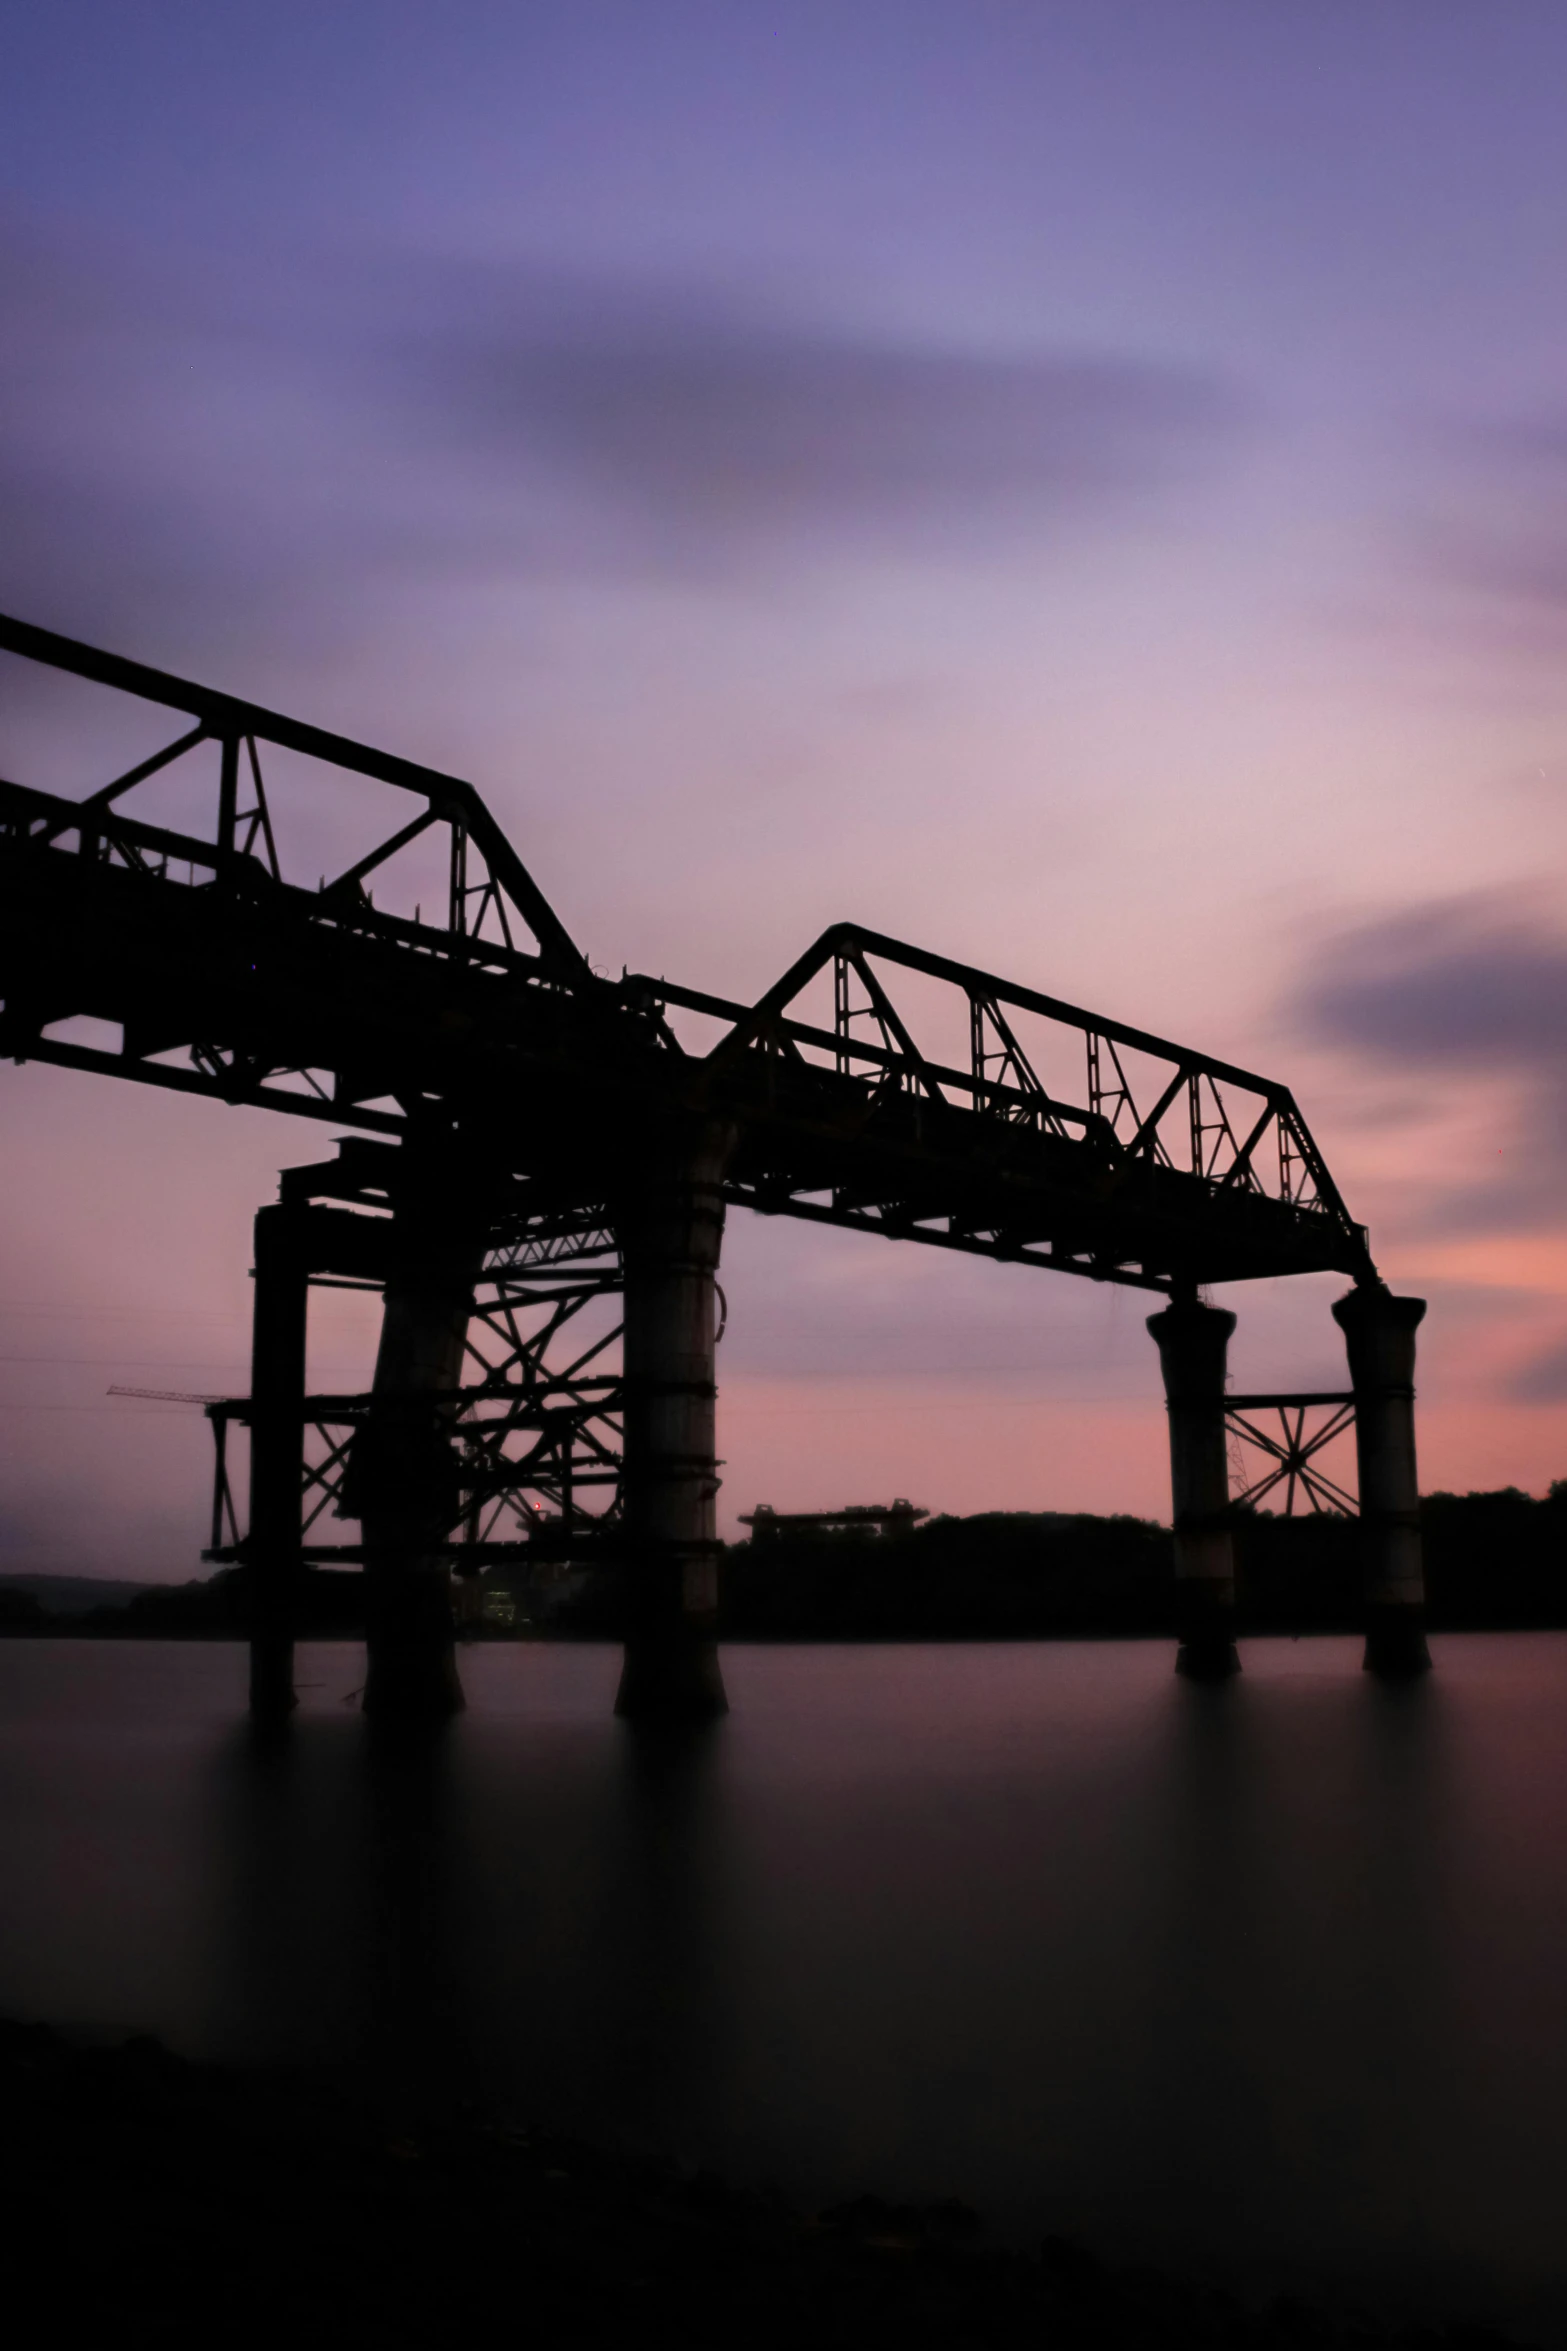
x=1379, y=1332
x=277, y=1451
x=404, y=1469
x=671, y=1232
x=1192, y=1341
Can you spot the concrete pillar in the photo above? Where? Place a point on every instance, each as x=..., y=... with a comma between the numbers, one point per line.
x=1379, y=1332
x=277, y=1452
x=1192, y=1341
x=671, y=1228
x=405, y=1468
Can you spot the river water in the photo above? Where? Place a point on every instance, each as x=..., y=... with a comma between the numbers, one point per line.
x=1268, y=1982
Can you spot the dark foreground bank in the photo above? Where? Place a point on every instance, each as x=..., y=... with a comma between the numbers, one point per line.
x=163, y=2201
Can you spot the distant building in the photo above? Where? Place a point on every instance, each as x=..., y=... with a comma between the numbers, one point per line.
x=880, y=1518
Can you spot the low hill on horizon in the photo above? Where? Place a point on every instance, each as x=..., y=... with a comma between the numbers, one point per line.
x=73, y=1595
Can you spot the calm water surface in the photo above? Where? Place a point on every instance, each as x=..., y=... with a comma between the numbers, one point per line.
x=1267, y=1982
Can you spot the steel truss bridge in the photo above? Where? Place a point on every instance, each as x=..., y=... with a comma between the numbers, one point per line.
x=530, y=1144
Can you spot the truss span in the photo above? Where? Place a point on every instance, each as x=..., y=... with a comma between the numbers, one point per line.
x=164, y=927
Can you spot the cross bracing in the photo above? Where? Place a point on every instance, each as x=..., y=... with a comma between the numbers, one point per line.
x=533, y=1428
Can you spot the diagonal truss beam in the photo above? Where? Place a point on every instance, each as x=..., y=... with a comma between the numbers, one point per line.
x=224, y=717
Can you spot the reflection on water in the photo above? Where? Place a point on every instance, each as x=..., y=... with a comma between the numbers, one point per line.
x=1264, y=1980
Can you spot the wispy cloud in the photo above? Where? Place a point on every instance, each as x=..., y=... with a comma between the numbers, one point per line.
x=703, y=421
x=1482, y=530
x=1542, y=1378
x=186, y=435
x=1474, y=986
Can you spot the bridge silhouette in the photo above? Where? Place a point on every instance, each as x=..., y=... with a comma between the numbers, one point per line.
x=538, y=1164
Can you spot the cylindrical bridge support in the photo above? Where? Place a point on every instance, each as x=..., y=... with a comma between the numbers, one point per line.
x=277, y=1443
x=1379, y=1332
x=1192, y=1341
x=671, y=1228
x=404, y=1470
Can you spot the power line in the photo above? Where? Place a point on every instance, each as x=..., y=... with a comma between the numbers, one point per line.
x=166, y=1396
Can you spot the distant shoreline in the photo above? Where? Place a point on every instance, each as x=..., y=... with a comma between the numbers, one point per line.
x=79, y=1634
x=1495, y=1562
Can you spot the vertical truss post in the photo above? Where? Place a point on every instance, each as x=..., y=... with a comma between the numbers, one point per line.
x=671, y=1233
x=228, y=793
x=225, y=1522
x=457, y=908
x=1290, y=1164
x=568, y=1505
x=277, y=1451
x=1192, y=1340
x=473, y=1508
x=220, y=1476
x=1379, y=1332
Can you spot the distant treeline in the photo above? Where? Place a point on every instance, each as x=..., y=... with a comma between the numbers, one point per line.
x=209, y=1608
x=1493, y=1561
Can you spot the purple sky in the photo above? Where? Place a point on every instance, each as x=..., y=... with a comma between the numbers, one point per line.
x=1080, y=487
